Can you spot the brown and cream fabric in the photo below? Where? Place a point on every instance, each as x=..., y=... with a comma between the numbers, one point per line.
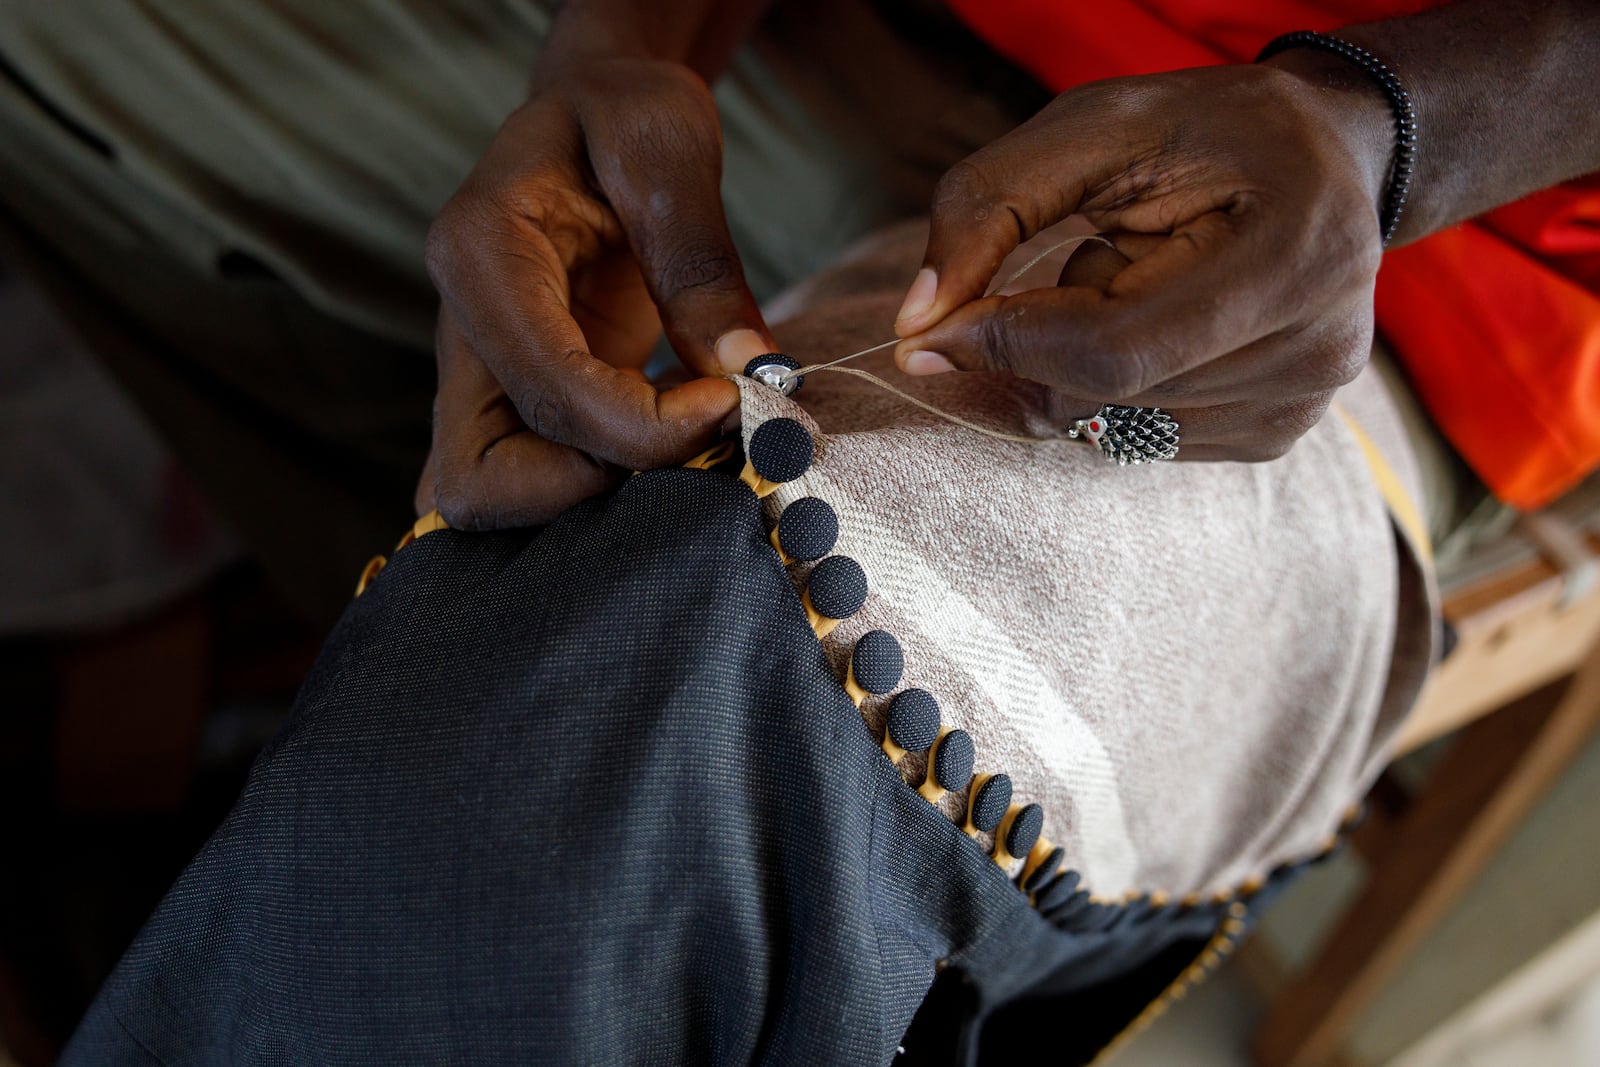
x=1194, y=668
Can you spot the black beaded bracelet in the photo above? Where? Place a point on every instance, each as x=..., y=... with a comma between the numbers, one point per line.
x=1405, y=117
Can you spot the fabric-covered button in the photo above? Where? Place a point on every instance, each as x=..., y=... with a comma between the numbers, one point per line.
x=991, y=795
x=781, y=450
x=1038, y=873
x=949, y=764
x=1076, y=911
x=369, y=572
x=836, y=590
x=1052, y=892
x=1020, y=829
x=876, y=665
x=838, y=587
x=912, y=724
x=806, y=530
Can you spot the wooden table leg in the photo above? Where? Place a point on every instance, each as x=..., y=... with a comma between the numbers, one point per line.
x=1485, y=786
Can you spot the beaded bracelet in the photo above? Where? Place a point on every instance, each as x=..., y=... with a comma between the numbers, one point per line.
x=1405, y=117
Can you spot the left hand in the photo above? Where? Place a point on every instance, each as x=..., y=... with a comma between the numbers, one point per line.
x=1242, y=203
x=592, y=223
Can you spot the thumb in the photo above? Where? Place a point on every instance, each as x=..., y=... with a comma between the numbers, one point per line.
x=991, y=202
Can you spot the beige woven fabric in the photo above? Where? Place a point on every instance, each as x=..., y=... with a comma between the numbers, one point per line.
x=1193, y=667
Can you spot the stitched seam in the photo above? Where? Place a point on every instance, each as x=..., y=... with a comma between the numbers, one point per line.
x=872, y=892
x=116, y=1017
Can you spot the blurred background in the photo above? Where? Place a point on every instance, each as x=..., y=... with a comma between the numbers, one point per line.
x=144, y=659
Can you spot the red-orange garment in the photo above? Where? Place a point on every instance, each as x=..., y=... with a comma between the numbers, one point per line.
x=1497, y=320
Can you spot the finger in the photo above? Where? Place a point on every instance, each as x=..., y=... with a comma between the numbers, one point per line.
x=1248, y=432
x=505, y=285
x=674, y=375
x=668, y=198
x=1205, y=291
x=1094, y=265
x=1009, y=190
x=1320, y=357
x=614, y=311
x=1303, y=358
x=489, y=471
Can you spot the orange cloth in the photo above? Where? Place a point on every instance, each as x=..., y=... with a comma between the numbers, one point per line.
x=1497, y=321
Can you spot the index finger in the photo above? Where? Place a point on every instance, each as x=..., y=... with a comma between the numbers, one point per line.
x=511, y=298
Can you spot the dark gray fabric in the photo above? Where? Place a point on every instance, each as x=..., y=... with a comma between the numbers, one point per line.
x=586, y=795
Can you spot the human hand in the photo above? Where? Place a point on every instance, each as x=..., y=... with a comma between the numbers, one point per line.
x=593, y=222
x=1242, y=206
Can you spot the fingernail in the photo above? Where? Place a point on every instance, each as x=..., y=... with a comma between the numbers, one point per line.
x=924, y=362
x=919, y=298
x=738, y=347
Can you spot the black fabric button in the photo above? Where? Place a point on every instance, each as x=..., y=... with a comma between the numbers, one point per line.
x=1054, y=892
x=838, y=585
x=952, y=760
x=808, y=528
x=781, y=450
x=877, y=662
x=1098, y=916
x=1076, y=910
x=990, y=802
x=1025, y=830
x=913, y=720
x=1134, y=911
x=1045, y=871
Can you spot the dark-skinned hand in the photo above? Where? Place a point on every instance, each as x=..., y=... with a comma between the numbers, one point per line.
x=1241, y=202
x=593, y=222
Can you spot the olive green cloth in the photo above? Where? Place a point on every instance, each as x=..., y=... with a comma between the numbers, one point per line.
x=230, y=200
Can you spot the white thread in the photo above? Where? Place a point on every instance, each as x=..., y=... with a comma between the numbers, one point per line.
x=834, y=364
x=945, y=415
x=842, y=359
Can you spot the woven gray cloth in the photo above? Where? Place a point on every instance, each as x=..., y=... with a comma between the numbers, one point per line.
x=1195, y=668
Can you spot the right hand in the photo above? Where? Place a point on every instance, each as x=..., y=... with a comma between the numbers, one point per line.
x=593, y=221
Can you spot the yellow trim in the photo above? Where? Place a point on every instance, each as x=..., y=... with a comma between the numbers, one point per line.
x=852, y=688
x=1222, y=943
x=1401, y=506
x=369, y=572
x=427, y=524
x=710, y=457
x=930, y=789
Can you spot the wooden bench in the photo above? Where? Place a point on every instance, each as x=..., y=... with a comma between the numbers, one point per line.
x=1522, y=689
